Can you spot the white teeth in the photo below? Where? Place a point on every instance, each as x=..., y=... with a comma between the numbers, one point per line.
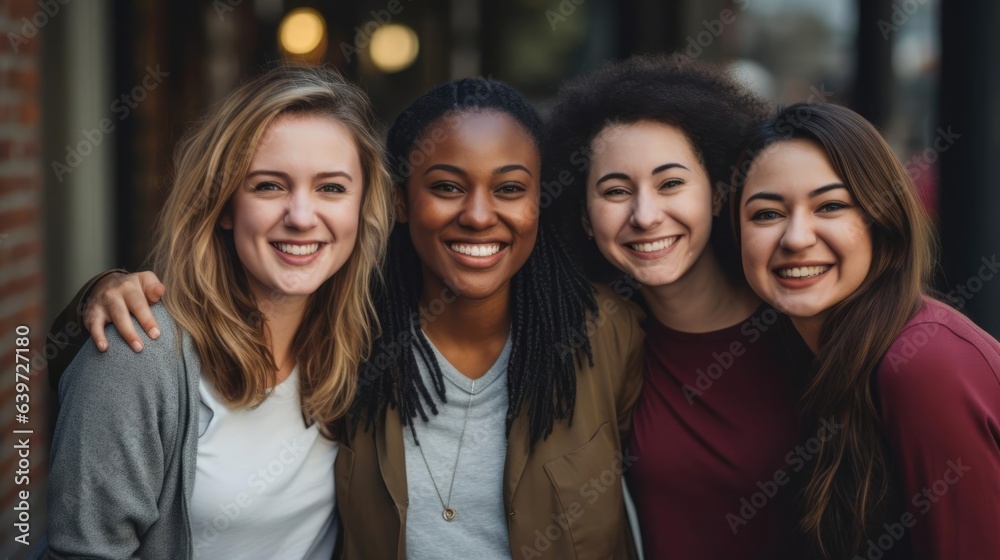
x=803, y=271
x=654, y=246
x=297, y=249
x=480, y=250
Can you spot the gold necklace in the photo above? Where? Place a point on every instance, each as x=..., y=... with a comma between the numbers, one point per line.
x=449, y=513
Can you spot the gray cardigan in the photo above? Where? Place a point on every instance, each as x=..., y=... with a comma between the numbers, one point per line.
x=125, y=448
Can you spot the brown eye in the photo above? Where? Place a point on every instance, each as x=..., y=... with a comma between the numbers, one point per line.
x=333, y=188
x=764, y=216
x=833, y=207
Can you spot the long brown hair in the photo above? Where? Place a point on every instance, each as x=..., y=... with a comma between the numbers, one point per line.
x=206, y=287
x=852, y=487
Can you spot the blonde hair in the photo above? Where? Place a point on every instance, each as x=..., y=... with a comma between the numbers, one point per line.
x=206, y=287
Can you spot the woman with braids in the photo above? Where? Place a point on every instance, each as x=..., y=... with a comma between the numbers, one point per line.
x=490, y=416
x=643, y=150
x=217, y=440
x=833, y=236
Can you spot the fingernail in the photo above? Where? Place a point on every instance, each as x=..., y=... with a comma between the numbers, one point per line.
x=102, y=345
x=154, y=333
x=137, y=346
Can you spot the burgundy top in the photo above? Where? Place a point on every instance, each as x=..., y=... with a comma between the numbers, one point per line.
x=939, y=393
x=716, y=434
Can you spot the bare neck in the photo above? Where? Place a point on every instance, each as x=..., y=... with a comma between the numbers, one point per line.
x=703, y=300
x=470, y=334
x=282, y=322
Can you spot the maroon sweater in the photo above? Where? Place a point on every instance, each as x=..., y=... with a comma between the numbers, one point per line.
x=939, y=393
x=718, y=444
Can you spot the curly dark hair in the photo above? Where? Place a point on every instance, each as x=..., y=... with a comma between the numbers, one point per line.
x=714, y=111
x=550, y=297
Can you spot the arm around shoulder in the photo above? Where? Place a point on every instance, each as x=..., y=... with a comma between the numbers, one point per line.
x=118, y=418
x=67, y=334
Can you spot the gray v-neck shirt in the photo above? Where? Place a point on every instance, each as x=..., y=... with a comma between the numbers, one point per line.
x=479, y=529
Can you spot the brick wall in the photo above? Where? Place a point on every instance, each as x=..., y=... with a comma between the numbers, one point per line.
x=21, y=259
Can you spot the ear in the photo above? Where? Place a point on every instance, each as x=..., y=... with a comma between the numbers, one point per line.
x=226, y=219
x=402, y=211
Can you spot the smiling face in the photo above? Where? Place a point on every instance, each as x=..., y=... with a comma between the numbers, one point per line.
x=649, y=201
x=471, y=205
x=295, y=217
x=806, y=244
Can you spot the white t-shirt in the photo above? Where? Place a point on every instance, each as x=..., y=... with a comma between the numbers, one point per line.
x=264, y=485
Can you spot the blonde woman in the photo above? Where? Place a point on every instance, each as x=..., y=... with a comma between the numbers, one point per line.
x=215, y=441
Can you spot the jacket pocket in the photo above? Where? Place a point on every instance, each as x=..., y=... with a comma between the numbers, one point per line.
x=588, y=484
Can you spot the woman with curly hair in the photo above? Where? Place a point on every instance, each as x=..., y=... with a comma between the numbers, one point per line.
x=642, y=150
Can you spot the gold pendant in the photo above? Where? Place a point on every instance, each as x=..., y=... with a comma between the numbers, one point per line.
x=449, y=513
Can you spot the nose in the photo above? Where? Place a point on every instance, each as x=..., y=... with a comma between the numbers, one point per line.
x=300, y=213
x=799, y=234
x=478, y=211
x=646, y=214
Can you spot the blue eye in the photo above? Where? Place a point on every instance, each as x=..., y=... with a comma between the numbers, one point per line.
x=333, y=188
x=266, y=186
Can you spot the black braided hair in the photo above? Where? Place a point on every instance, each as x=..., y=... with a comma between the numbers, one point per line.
x=550, y=297
x=714, y=111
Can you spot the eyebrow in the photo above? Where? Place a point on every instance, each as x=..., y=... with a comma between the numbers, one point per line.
x=624, y=177
x=778, y=198
x=459, y=171
x=287, y=177
x=667, y=166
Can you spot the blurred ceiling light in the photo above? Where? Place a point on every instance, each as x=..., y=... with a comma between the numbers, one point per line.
x=394, y=47
x=301, y=31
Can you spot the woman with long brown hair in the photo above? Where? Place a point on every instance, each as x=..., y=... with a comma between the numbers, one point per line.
x=834, y=237
x=217, y=440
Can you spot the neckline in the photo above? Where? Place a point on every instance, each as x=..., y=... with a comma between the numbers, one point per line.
x=463, y=383
x=657, y=328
